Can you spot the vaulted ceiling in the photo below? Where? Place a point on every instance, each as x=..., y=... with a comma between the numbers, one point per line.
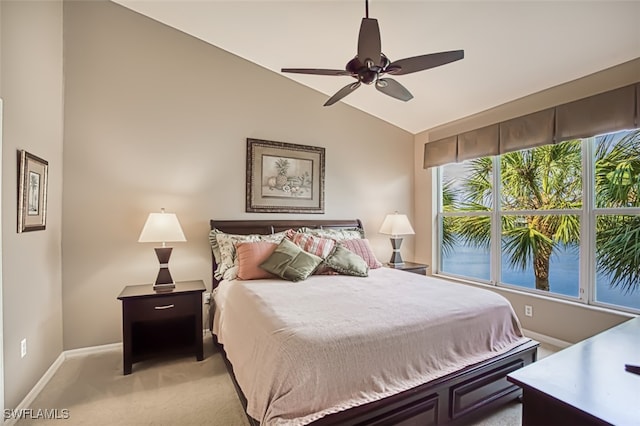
x=512, y=48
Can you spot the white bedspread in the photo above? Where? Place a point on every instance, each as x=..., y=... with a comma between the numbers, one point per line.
x=303, y=350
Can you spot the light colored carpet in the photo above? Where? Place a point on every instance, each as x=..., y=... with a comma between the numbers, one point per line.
x=176, y=391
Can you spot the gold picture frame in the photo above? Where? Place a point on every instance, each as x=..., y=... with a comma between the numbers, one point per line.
x=284, y=177
x=32, y=192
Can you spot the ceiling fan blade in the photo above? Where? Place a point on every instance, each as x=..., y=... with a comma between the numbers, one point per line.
x=424, y=62
x=369, y=45
x=342, y=93
x=394, y=89
x=315, y=71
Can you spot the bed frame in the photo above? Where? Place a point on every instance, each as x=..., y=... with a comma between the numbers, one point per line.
x=452, y=399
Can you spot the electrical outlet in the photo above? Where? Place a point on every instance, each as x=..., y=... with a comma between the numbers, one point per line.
x=528, y=310
x=207, y=298
x=23, y=348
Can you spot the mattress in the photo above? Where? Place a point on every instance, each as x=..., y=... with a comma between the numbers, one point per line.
x=303, y=350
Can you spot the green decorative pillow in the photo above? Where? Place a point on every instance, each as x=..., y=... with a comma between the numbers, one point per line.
x=290, y=262
x=346, y=262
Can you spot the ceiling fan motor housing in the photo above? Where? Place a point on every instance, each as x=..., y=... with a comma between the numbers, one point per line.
x=369, y=71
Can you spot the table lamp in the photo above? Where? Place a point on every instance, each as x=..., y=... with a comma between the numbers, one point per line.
x=395, y=225
x=162, y=228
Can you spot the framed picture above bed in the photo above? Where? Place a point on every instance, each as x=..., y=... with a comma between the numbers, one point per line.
x=284, y=177
x=32, y=192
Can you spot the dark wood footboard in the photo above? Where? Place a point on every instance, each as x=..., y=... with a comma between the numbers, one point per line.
x=451, y=399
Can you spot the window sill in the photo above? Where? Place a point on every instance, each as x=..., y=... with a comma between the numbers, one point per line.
x=594, y=308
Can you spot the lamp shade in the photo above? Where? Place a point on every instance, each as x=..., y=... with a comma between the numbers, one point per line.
x=160, y=228
x=396, y=224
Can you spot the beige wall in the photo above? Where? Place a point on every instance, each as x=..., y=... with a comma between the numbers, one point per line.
x=567, y=322
x=31, y=274
x=155, y=118
x=1, y=191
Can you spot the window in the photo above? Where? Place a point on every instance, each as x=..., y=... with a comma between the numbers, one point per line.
x=616, y=185
x=561, y=220
x=467, y=197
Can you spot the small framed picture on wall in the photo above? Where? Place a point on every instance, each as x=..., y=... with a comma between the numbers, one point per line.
x=32, y=192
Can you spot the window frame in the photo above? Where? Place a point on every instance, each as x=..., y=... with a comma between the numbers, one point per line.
x=594, y=211
x=587, y=215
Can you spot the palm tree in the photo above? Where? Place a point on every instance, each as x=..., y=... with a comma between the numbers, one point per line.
x=544, y=178
x=617, y=185
x=448, y=236
x=547, y=178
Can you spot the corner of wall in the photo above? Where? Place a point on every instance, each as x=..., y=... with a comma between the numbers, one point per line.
x=32, y=89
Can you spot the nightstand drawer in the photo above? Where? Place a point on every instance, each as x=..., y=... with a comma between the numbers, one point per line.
x=164, y=307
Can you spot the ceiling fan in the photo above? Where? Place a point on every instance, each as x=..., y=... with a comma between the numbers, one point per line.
x=370, y=64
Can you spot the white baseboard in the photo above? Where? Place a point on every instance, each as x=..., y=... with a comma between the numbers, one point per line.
x=35, y=391
x=72, y=353
x=546, y=339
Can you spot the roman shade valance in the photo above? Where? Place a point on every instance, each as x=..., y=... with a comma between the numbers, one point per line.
x=606, y=112
x=479, y=143
x=638, y=104
x=595, y=115
x=440, y=152
x=527, y=132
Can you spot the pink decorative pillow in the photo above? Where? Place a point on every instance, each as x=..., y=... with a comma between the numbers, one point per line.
x=362, y=248
x=319, y=246
x=250, y=255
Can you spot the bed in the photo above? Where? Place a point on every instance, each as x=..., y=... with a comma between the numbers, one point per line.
x=390, y=348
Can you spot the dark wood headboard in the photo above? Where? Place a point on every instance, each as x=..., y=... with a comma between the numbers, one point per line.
x=265, y=227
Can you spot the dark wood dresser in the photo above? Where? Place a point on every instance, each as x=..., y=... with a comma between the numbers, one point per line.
x=585, y=384
x=155, y=323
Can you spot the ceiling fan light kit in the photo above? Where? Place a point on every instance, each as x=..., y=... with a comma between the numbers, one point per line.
x=370, y=64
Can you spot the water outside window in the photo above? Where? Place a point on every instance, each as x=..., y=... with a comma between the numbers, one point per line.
x=541, y=210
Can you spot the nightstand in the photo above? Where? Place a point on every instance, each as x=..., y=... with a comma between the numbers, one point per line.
x=416, y=268
x=155, y=323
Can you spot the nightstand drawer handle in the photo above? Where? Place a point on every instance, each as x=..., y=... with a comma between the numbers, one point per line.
x=164, y=307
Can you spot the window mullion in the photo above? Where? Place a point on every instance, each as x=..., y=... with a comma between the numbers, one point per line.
x=440, y=209
x=496, y=227
x=618, y=210
x=587, y=225
x=463, y=214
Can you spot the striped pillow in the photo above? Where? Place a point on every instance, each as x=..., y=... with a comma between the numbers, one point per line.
x=362, y=248
x=311, y=244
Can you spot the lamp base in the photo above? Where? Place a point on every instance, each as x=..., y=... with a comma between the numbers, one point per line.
x=396, y=258
x=164, y=281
